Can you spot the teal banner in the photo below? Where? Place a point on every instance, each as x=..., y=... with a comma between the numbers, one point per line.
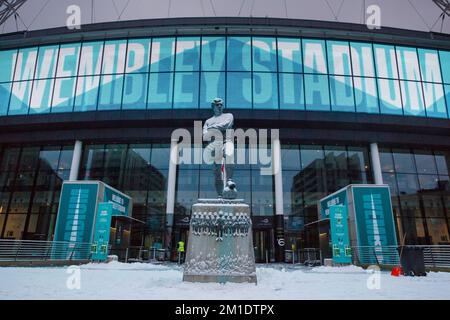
x=335, y=199
x=339, y=234
x=375, y=223
x=120, y=202
x=99, y=249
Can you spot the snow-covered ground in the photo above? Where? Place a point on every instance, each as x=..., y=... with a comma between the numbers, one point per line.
x=149, y=281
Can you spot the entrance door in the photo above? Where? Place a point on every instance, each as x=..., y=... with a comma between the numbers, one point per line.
x=263, y=245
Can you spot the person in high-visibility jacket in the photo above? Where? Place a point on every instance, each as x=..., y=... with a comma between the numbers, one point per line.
x=180, y=250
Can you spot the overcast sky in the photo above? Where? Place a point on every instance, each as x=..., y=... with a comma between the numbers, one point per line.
x=408, y=14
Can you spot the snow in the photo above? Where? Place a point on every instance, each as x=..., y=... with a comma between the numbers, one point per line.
x=117, y=280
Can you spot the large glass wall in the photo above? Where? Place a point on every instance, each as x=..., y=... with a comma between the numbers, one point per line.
x=420, y=188
x=249, y=72
x=30, y=184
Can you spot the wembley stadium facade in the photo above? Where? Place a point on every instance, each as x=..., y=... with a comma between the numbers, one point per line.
x=352, y=105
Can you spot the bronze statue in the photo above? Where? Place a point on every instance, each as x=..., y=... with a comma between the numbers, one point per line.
x=221, y=153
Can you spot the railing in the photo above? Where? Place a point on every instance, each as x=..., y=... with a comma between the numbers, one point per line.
x=436, y=256
x=32, y=250
x=379, y=255
x=307, y=256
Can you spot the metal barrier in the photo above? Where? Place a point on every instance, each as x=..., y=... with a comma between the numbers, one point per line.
x=307, y=256
x=379, y=255
x=436, y=256
x=31, y=250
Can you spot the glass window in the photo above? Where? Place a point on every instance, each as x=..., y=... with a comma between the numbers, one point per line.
x=188, y=54
x=317, y=95
x=362, y=59
x=160, y=91
x=442, y=161
x=391, y=180
x=25, y=64
x=10, y=159
x=213, y=53
x=239, y=54
x=41, y=96
x=87, y=93
x=114, y=54
x=387, y=162
x=407, y=184
x=412, y=98
x=312, y=157
x=366, y=95
x=110, y=95
x=429, y=64
x=339, y=58
x=135, y=91
x=91, y=58
x=262, y=194
x=428, y=182
x=437, y=229
x=20, y=98
x=65, y=160
x=138, y=55
x=291, y=91
x=186, y=90
x=163, y=54
x=239, y=90
x=5, y=93
x=212, y=85
x=15, y=225
x=46, y=62
x=404, y=161
x=64, y=94
x=335, y=158
x=445, y=65
x=342, y=98
x=187, y=191
x=434, y=100
x=289, y=55
x=68, y=60
x=358, y=159
x=49, y=158
x=425, y=162
x=290, y=157
x=408, y=63
x=7, y=65
x=160, y=156
x=264, y=54
x=314, y=56
x=386, y=62
x=390, y=96
x=265, y=90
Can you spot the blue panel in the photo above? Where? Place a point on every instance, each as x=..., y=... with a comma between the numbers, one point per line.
x=412, y=96
x=20, y=97
x=434, y=100
x=408, y=63
x=163, y=54
x=7, y=65
x=265, y=90
x=239, y=54
x=185, y=92
x=363, y=64
x=91, y=58
x=68, y=60
x=314, y=56
x=290, y=55
x=445, y=65
x=429, y=64
x=135, y=91
x=41, y=97
x=317, y=95
x=110, y=94
x=138, y=55
x=213, y=53
x=160, y=91
x=212, y=85
x=46, y=62
x=188, y=54
x=26, y=63
x=264, y=54
x=339, y=61
x=5, y=92
x=291, y=91
x=64, y=95
x=447, y=98
x=386, y=61
x=114, y=54
x=239, y=90
x=87, y=93
x=342, y=98
x=390, y=96
x=366, y=95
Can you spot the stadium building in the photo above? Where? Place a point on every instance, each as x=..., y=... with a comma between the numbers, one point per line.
x=352, y=105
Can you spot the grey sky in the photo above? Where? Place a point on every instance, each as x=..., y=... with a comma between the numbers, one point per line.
x=408, y=14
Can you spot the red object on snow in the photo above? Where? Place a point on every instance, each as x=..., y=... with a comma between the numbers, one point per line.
x=397, y=271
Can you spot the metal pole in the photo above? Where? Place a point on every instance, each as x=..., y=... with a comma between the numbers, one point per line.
x=171, y=189
x=376, y=164
x=126, y=255
x=279, y=214
x=76, y=159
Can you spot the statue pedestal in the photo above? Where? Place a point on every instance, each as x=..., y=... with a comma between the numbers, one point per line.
x=220, y=245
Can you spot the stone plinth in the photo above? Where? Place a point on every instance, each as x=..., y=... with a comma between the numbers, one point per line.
x=220, y=244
